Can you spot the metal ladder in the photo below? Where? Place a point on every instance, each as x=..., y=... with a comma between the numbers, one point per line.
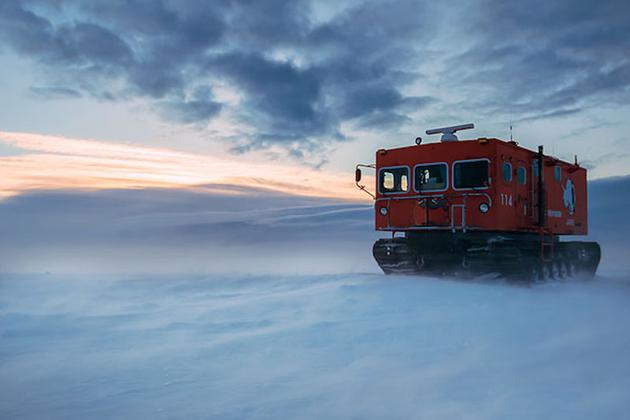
x=546, y=248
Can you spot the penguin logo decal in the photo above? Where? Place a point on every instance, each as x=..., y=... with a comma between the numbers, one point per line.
x=569, y=196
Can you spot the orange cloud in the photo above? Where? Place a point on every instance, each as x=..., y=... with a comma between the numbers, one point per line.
x=50, y=162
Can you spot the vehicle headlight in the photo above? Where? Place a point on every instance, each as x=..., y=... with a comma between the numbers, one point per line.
x=383, y=211
x=484, y=207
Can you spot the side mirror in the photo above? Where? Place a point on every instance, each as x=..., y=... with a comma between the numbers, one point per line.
x=357, y=175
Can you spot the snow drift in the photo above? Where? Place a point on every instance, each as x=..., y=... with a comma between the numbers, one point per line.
x=230, y=230
x=240, y=304
x=227, y=229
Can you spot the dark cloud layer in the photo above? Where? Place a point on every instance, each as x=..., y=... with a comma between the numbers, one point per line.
x=299, y=80
x=284, y=98
x=547, y=59
x=300, y=76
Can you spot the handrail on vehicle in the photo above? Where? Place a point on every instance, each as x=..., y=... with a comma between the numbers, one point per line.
x=454, y=195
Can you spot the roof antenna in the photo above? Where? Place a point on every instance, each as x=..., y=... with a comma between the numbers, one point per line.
x=515, y=143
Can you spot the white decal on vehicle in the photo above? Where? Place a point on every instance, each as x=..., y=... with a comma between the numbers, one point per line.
x=554, y=213
x=569, y=196
x=506, y=200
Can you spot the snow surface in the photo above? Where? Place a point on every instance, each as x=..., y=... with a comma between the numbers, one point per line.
x=312, y=347
x=149, y=305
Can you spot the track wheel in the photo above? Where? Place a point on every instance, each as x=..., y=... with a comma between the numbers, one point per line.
x=420, y=262
x=558, y=269
x=569, y=266
x=537, y=273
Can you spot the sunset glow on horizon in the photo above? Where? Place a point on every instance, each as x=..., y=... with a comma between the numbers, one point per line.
x=51, y=163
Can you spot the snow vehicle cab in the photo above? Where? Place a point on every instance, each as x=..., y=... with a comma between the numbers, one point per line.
x=479, y=206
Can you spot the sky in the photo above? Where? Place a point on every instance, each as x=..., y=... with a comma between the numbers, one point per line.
x=177, y=190
x=289, y=95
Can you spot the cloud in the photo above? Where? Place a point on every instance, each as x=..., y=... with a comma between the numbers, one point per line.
x=284, y=100
x=310, y=73
x=200, y=106
x=299, y=78
x=551, y=114
x=50, y=162
x=540, y=59
x=54, y=92
x=80, y=43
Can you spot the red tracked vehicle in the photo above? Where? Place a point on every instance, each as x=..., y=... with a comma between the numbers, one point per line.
x=480, y=206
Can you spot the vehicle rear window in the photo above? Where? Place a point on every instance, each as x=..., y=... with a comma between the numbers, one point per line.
x=431, y=177
x=471, y=174
x=393, y=180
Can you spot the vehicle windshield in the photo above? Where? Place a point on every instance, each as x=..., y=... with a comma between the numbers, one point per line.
x=394, y=180
x=431, y=177
x=471, y=174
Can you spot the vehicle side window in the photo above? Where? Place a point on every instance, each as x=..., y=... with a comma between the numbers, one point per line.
x=431, y=177
x=471, y=174
x=521, y=174
x=557, y=172
x=394, y=180
x=507, y=172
